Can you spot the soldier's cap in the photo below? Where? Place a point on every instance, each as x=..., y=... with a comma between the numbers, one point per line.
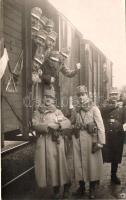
x=49, y=92
x=42, y=34
x=43, y=20
x=64, y=52
x=39, y=59
x=50, y=23
x=52, y=35
x=81, y=89
x=34, y=28
x=36, y=12
x=114, y=90
x=54, y=56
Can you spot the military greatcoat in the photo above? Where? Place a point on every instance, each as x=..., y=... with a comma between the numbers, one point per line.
x=50, y=160
x=88, y=166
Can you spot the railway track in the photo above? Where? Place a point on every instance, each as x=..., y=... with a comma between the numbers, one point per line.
x=17, y=162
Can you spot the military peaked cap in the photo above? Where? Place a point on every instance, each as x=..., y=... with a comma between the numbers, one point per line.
x=81, y=89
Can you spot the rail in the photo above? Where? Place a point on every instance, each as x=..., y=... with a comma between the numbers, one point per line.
x=10, y=150
x=17, y=177
x=14, y=148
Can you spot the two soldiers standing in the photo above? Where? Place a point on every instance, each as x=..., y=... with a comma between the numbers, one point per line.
x=50, y=160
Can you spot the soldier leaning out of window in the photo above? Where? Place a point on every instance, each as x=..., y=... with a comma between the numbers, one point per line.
x=55, y=63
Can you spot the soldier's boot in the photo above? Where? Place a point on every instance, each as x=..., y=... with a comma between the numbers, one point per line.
x=92, y=187
x=114, y=178
x=81, y=190
x=66, y=191
x=56, y=191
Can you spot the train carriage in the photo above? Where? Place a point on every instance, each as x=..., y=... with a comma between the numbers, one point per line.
x=17, y=86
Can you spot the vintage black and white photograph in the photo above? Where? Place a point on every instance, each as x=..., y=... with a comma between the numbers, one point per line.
x=63, y=99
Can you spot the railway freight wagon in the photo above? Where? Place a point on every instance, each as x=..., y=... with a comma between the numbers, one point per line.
x=17, y=88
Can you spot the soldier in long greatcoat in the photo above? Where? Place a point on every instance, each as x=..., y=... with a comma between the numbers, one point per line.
x=114, y=116
x=86, y=120
x=50, y=160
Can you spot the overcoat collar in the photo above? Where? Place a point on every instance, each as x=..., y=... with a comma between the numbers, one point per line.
x=46, y=109
x=85, y=107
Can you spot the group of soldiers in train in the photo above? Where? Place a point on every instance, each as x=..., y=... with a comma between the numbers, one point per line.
x=92, y=144
x=47, y=63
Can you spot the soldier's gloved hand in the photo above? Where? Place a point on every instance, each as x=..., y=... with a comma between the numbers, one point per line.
x=100, y=145
x=52, y=79
x=124, y=127
x=119, y=104
x=40, y=72
x=78, y=66
x=116, y=104
x=96, y=147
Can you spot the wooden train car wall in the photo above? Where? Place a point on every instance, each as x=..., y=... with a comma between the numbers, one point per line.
x=16, y=82
x=96, y=72
x=12, y=84
x=86, y=62
x=70, y=39
x=90, y=75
